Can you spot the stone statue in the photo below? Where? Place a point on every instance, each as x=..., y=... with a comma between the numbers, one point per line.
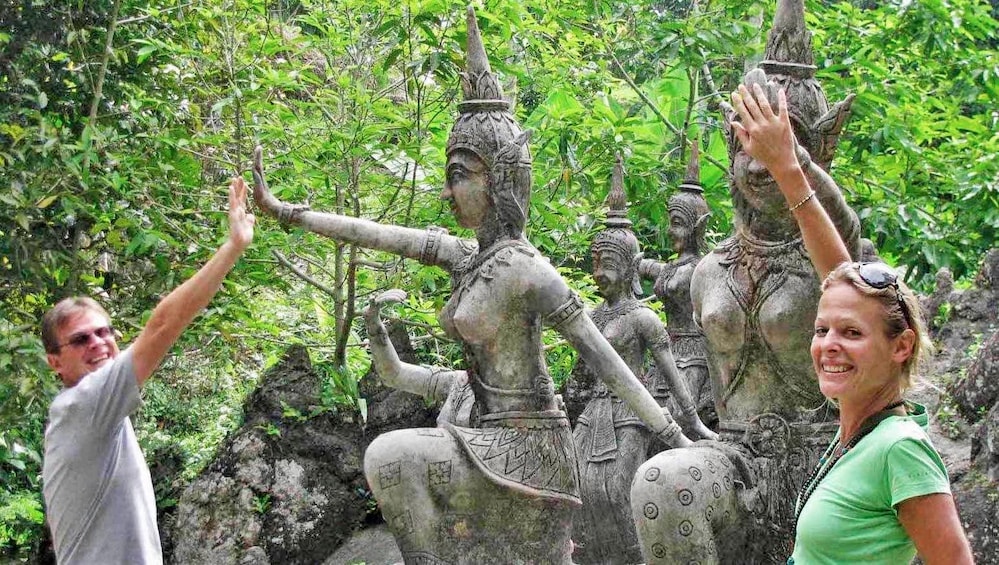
x=610, y=439
x=502, y=488
x=436, y=384
x=755, y=297
x=688, y=219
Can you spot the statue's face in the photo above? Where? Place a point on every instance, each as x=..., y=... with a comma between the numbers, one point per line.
x=609, y=270
x=465, y=188
x=679, y=231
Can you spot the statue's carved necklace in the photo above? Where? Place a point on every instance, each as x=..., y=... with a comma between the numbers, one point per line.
x=605, y=314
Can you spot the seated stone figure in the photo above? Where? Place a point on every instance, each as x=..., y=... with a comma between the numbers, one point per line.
x=501, y=489
x=755, y=297
x=688, y=218
x=610, y=439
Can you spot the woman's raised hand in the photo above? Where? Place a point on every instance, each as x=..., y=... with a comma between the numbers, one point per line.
x=764, y=135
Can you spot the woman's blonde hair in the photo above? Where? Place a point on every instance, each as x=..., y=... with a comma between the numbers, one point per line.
x=902, y=311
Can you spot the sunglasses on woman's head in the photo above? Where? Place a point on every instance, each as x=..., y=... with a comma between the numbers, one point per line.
x=880, y=276
x=82, y=339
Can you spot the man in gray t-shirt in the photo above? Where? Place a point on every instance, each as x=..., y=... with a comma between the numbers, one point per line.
x=98, y=493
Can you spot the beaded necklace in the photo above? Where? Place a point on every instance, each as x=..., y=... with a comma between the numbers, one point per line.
x=822, y=469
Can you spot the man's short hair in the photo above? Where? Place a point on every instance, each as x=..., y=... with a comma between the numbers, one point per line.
x=62, y=311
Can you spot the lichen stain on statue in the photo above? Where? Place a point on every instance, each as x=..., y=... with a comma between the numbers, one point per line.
x=610, y=439
x=755, y=297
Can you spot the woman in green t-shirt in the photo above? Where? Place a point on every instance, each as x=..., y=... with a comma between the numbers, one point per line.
x=880, y=493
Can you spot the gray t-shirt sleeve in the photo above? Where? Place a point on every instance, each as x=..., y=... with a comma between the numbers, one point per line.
x=107, y=395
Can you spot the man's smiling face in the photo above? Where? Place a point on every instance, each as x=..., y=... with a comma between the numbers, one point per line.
x=86, y=343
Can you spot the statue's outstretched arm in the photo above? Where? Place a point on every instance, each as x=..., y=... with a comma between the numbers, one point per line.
x=430, y=384
x=657, y=340
x=430, y=247
x=579, y=330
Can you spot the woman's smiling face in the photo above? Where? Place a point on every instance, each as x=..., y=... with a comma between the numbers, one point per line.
x=854, y=358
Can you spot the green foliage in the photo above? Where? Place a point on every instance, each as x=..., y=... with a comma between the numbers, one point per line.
x=21, y=518
x=920, y=160
x=353, y=100
x=261, y=503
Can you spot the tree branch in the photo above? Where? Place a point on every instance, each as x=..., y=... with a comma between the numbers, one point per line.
x=301, y=274
x=99, y=86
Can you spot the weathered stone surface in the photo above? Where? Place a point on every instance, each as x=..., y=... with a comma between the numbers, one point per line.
x=978, y=391
x=688, y=219
x=282, y=489
x=610, y=440
x=967, y=340
x=968, y=357
x=371, y=546
x=975, y=497
x=498, y=483
x=931, y=304
x=755, y=296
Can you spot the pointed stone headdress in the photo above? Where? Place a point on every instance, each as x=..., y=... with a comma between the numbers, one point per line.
x=688, y=201
x=789, y=63
x=484, y=125
x=486, y=128
x=617, y=235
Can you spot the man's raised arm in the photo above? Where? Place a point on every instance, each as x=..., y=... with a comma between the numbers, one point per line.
x=175, y=312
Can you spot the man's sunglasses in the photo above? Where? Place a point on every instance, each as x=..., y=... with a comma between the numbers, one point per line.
x=81, y=340
x=880, y=276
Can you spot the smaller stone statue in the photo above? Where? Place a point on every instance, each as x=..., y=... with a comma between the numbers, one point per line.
x=931, y=305
x=432, y=383
x=610, y=438
x=688, y=219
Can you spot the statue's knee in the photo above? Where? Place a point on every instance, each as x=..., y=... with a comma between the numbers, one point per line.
x=394, y=455
x=686, y=484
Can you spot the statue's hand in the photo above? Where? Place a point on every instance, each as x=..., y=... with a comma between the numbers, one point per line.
x=373, y=308
x=673, y=435
x=695, y=428
x=262, y=194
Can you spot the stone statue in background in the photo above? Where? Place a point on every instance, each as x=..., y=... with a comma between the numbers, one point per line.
x=755, y=297
x=503, y=488
x=688, y=219
x=610, y=439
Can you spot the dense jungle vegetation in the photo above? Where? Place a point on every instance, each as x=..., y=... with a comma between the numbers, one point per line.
x=121, y=121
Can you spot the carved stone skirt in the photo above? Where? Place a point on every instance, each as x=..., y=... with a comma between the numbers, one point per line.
x=502, y=493
x=611, y=442
x=729, y=501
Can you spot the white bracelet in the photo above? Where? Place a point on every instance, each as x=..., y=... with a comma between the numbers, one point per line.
x=808, y=197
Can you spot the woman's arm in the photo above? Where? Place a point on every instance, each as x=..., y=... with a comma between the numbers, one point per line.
x=933, y=524
x=416, y=379
x=768, y=138
x=431, y=247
